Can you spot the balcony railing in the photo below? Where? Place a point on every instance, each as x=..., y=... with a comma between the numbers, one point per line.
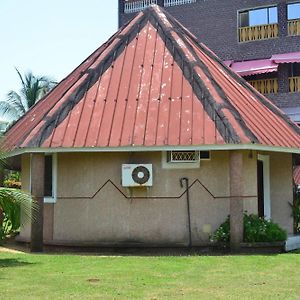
x=265, y=86
x=294, y=27
x=260, y=32
x=168, y=3
x=132, y=6
x=294, y=84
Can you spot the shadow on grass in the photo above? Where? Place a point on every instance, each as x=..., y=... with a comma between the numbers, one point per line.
x=150, y=251
x=13, y=262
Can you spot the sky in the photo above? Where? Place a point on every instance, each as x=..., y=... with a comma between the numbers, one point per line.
x=50, y=37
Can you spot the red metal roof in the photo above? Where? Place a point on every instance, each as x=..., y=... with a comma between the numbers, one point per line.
x=152, y=84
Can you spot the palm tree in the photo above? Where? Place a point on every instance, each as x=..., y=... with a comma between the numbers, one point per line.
x=33, y=88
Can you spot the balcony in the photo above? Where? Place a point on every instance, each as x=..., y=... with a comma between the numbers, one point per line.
x=168, y=3
x=294, y=27
x=266, y=86
x=294, y=84
x=131, y=6
x=259, y=32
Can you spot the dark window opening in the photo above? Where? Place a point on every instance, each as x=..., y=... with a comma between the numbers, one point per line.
x=261, y=16
x=293, y=11
x=294, y=70
x=48, y=190
x=204, y=154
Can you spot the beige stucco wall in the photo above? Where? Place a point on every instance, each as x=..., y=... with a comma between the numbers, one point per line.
x=109, y=217
x=281, y=182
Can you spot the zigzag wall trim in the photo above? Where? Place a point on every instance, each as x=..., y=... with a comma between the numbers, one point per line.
x=158, y=197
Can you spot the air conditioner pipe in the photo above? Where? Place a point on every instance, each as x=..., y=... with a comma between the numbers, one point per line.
x=186, y=180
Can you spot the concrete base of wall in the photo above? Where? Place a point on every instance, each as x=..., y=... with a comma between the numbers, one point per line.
x=292, y=243
x=156, y=249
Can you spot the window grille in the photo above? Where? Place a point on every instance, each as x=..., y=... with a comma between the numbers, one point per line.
x=135, y=6
x=168, y=3
x=183, y=156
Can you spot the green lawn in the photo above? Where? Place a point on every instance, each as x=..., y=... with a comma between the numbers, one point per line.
x=134, y=277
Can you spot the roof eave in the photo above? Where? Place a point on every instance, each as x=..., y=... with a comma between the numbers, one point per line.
x=254, y=147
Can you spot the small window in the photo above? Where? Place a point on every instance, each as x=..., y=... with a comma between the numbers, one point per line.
x=205, y=155
x=188, y=159
x=182, y=156
x=48, y=178
x=187, y=156
x=261, y=16
x=293, y=11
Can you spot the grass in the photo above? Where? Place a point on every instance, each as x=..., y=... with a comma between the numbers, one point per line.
x=24, y=276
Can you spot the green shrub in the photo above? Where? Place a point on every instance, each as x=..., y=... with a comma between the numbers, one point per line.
x=12, y=180
x=295, y=206
x=256, y=229
x=10, y=183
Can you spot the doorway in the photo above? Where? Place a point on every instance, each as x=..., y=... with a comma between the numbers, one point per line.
x=260, y=188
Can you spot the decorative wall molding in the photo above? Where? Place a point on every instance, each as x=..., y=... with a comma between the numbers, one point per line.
x=196, y=181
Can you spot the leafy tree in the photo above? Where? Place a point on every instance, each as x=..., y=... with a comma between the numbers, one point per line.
x=33, y=88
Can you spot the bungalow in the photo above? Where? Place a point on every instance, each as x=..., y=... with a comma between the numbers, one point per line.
x=152, y=141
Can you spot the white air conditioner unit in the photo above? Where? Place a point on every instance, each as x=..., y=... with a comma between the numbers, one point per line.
x=135, y=175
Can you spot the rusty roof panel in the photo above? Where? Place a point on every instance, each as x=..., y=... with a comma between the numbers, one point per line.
x=152, y=84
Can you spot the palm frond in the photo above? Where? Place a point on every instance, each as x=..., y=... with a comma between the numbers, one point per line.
x=15, y=99
x=11, y=200
x=33, y=88
x=9, y=112
x=21, y=78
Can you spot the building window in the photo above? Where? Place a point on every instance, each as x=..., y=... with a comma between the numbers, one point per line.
x=48, y=178
x=294, y=78
x=293, y=11
x=260, y=16
x=294, y=18
x=204, y=155
x=188, y=159
x=183, y=156
x=168, y=3
x=131, y=6
x=258, y=24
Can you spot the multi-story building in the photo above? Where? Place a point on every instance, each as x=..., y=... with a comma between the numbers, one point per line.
x=259, y=39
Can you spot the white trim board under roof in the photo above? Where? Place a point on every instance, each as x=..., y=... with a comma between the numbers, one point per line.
x=226, y=147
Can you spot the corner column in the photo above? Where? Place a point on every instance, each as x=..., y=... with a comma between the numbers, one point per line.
x=121, y=11
x=282, y=19
x=283, y=78
x=236, y=200
x=37, y=192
